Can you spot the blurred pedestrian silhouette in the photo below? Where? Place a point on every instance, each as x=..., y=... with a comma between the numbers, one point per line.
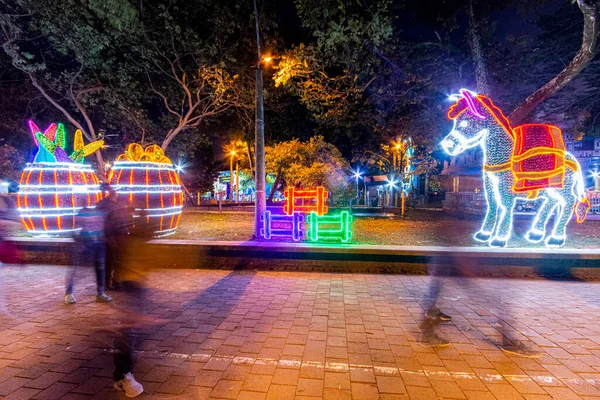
x=90, y=244
x=118, y=218
x=131, y=267
x=461, y=270
x=9, y=253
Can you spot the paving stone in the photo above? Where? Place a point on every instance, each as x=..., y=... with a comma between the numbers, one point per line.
x=309, y=387
x=55, y=391
x=303, y=335
x=175, y=384
x=281, y=392
x=46, y=380
x=226, y=389
x=364, y=391
x=391, y=384
x=257, y=383
x=12, y=384
x=22, y=394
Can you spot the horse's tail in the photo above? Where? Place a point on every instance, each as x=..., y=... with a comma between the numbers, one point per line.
x=583, y=204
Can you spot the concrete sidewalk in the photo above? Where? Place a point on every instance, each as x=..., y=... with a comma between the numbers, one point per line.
x=292, y=335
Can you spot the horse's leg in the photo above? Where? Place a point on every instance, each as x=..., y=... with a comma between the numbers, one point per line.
x=538, y=228
x=502, y=183
x=567, y=202
x=487, y=228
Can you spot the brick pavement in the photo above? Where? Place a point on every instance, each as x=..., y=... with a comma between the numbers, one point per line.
x=280, y=335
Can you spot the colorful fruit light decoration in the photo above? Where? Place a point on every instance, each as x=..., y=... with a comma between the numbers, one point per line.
x=527, y=162
x=151, y=183
x=55, y=186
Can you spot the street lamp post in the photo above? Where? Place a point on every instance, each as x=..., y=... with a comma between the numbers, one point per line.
x=237, y=183
x=231, y=155
x=357, y=176
x=259, y=132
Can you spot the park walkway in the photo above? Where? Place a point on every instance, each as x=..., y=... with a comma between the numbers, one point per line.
x=284, y=335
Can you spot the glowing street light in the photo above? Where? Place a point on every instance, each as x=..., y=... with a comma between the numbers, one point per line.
x=357, y=175
x=596, y=176
x=267, y=59
x=392, y=183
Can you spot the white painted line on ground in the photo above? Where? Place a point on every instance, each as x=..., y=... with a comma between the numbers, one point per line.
x=377, y=369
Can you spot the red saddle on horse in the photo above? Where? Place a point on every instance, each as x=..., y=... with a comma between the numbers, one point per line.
x=538, y=159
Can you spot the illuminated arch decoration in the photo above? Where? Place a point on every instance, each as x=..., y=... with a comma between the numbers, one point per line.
x=527, y=162
x=308, y=220
x=150, y=182
x=54, y=187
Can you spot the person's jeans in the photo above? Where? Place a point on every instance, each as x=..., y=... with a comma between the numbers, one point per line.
x=86, y=251
x=127, y=337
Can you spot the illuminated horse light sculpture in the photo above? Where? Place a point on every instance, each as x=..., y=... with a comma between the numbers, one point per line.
x=526, y=162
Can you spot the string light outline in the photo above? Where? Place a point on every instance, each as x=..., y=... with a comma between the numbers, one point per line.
x=577, y=189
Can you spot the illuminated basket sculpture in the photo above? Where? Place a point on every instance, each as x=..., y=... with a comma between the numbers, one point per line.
x=54, y=187
x=151, y=183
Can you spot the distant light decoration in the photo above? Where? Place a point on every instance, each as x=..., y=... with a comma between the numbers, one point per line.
x=307, y=221
x=528, y=162
x=316, y=199
x=55, y=186
x=150, y=182
x=329, y=227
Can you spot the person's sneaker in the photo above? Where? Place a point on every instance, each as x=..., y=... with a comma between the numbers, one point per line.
x=520, y=350
x=103, y=298
x=70, y=299
x=438, y=315
x=131, y=387
x=433, y=340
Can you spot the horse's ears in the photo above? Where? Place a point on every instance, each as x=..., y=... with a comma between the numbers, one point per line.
x=471, y=102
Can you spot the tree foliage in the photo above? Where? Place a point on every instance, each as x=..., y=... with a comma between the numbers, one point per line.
x=307, y=164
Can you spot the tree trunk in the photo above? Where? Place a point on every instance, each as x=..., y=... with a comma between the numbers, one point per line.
x=274, y=187
x=170, y=136
x=477, y=52
x=101, y=170
x=426, y=191
x=589, y=46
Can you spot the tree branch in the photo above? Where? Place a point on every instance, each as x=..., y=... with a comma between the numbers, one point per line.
x=589, y=47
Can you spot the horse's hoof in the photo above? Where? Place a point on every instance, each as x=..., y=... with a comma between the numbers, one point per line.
x=555, y=241
x=499, y=242
x=482, y=236
x=534, y=236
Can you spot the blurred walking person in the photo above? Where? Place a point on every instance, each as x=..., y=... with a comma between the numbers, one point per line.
x=131, y=268
x=90, y=244
x=9, y=253
x=461, y=270
x=115, y=231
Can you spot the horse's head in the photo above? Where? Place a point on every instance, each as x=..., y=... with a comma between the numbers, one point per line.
x=473, y=116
